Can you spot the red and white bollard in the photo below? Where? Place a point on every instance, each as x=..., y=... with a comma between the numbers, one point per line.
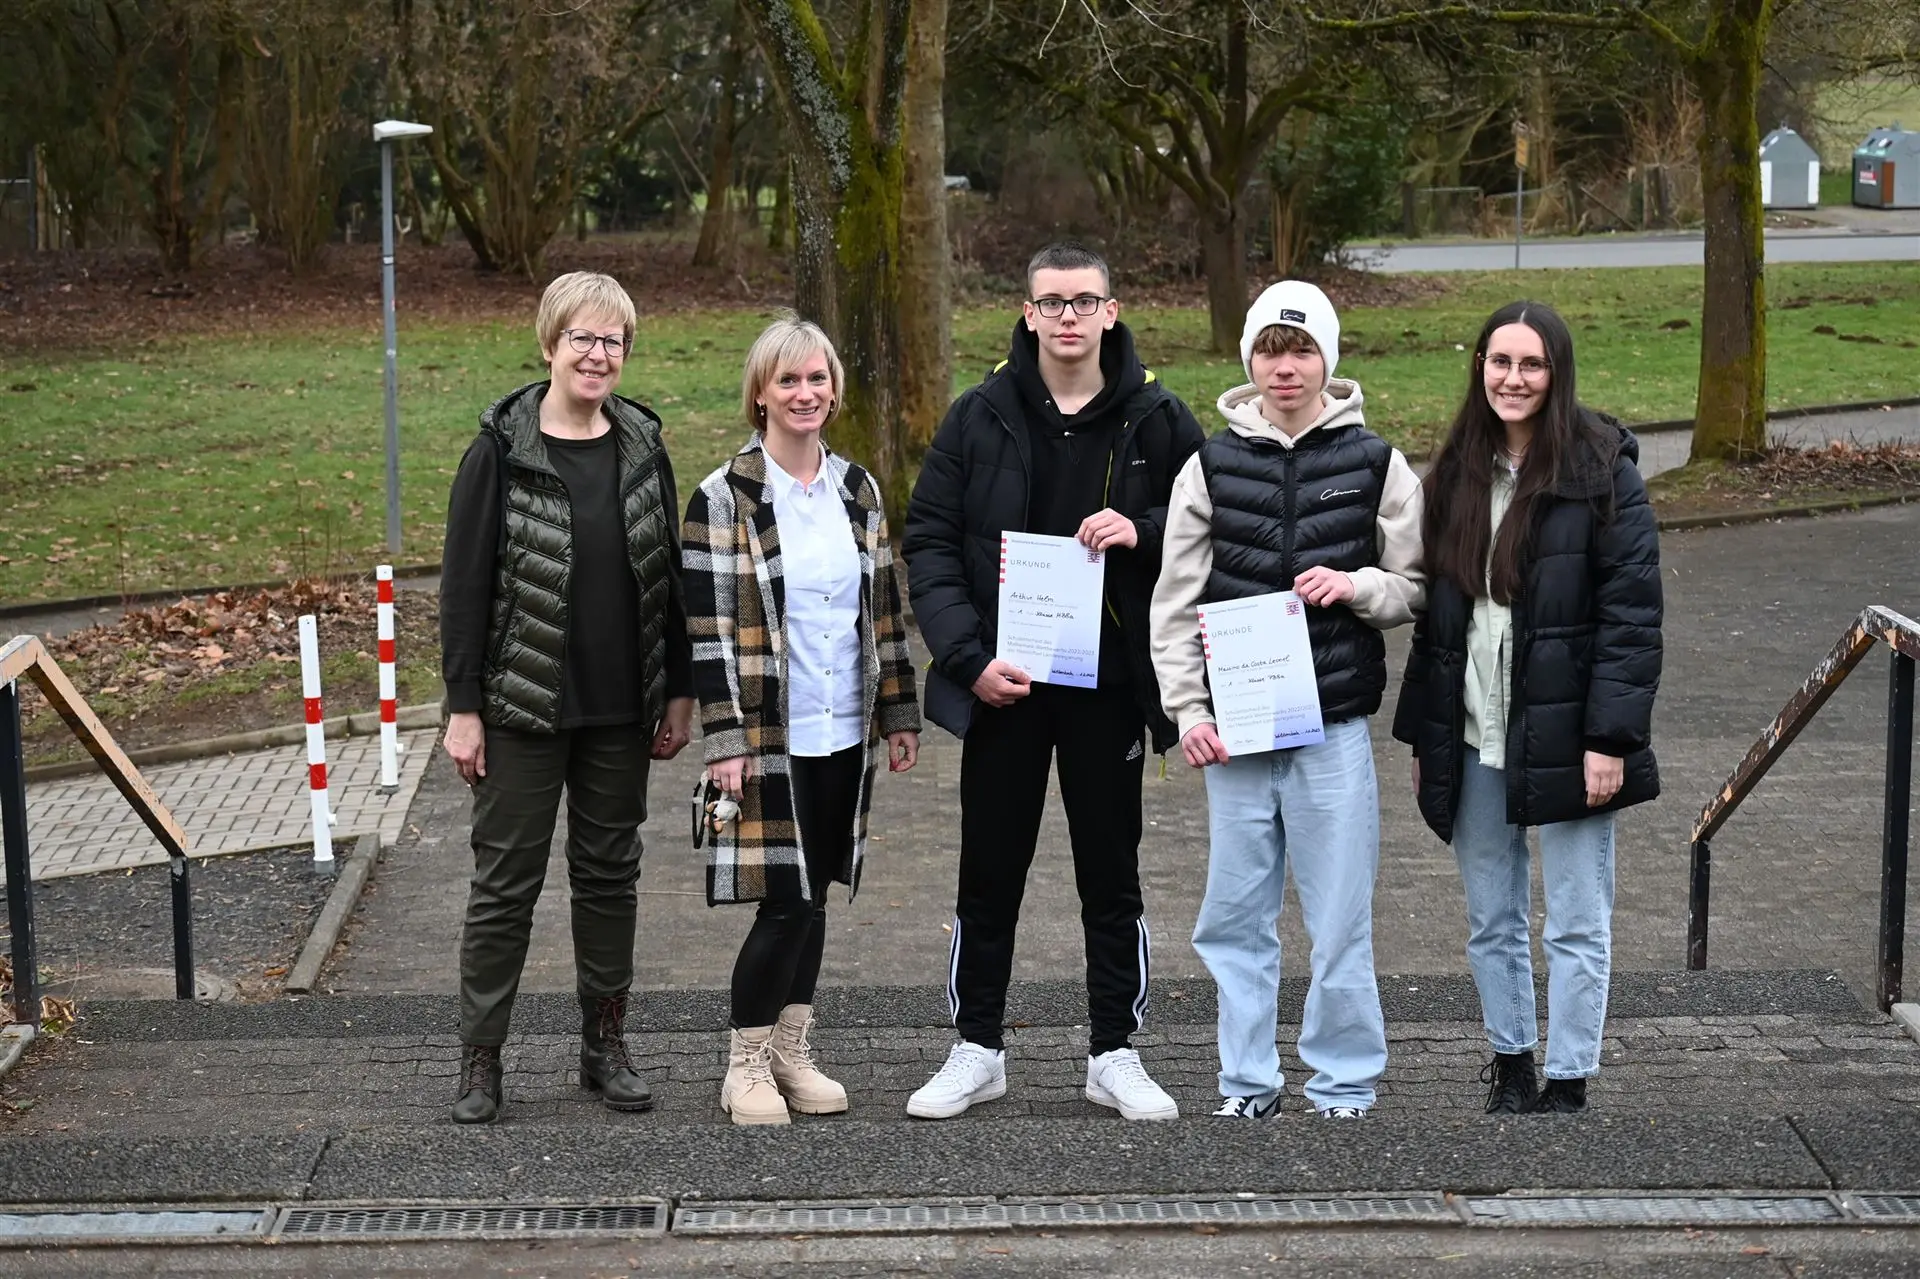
x=389, y=706
x=316, y=741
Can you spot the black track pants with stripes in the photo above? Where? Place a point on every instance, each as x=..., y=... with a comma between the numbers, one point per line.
x=1099, y=739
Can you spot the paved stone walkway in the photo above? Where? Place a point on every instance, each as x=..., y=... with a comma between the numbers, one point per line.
x=1651, y=1066
x=227, y=803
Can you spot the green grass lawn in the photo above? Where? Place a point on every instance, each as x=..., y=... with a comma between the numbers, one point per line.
x=1847, y=110
x=213, y=460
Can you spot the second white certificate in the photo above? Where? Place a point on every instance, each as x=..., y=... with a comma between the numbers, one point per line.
x=1050, y=589
x=1260, y=670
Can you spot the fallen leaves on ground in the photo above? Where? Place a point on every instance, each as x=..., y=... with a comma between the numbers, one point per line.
x=178, y=639
x=1841, y=464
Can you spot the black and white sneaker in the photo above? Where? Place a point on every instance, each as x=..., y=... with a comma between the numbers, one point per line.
x=1262, y=1107
x=1344, y=1112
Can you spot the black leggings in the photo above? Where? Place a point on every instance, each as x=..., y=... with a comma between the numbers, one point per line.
x=779, y=963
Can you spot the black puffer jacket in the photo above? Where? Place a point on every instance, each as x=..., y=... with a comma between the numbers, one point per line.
x=1586, y=650
x=976, y=483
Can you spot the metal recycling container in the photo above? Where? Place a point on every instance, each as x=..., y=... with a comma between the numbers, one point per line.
x=1789, y=171
x=1886, y=170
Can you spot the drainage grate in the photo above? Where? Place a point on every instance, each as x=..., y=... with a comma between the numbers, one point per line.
x=748, y=1219
x=1886, y=1207
x=471, y=1221
x=118, y=1227
x=1650, y=1210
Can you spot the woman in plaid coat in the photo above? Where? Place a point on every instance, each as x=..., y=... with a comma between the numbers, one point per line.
x=805, y=687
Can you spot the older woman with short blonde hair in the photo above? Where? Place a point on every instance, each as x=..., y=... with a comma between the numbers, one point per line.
x=565, y=654
x=789, y=540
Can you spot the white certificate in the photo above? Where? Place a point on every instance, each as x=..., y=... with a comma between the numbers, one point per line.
x=1050, y=590
x=1260, y=672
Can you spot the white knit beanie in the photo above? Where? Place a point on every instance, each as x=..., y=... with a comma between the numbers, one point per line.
x=1299, y=305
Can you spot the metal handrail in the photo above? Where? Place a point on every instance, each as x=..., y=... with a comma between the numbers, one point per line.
x=1902, y=635
x=25, y=656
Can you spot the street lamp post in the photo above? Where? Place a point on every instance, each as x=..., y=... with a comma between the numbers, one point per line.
x=385, y=132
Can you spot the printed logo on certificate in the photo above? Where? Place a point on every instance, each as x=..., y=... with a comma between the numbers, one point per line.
x=1260, y=672
x=1050, y=593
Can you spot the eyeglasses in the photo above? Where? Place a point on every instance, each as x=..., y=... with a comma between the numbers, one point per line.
x=1531, y=369
x=584, y=340
x=1054, y=308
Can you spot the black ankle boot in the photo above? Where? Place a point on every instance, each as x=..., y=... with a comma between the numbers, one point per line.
x=605, y=1066
x=1512, y=1083
x=480, y=1092
x=1561, y=1097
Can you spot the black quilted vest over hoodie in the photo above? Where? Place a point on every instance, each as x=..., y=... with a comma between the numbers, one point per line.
x=1280, y=511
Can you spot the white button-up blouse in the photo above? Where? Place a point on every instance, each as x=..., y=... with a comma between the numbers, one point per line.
x=820, y=567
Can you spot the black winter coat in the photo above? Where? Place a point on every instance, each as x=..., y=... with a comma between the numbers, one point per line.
x=975, y=484
x=1586, y=650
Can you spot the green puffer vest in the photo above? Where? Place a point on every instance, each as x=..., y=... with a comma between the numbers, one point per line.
x=527, y=639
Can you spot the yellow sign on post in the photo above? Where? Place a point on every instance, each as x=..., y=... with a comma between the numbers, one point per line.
x=1519, y=187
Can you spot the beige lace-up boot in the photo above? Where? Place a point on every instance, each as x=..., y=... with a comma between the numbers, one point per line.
x=799, y=1079
x=748, y=1093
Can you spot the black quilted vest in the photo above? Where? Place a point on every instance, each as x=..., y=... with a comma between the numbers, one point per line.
x=1280, y=511
x=531, y=599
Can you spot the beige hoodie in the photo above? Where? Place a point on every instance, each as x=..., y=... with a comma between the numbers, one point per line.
x=1385, y=596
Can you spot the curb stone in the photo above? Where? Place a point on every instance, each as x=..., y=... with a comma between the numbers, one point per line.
x=401, y=572
x=355, y=869
x=1907, y=1016
x=13, y=1044
x=365, y=724
x=1760, y=515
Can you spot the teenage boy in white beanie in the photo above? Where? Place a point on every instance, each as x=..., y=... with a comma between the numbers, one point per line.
x=1295, y=495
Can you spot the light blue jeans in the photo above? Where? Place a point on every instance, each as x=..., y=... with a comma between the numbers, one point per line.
x=1319, y=808
x=1576, y=865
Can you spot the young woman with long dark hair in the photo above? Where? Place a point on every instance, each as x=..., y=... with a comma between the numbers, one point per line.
x=1529, y=694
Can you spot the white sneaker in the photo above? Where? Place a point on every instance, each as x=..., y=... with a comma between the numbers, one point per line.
x=1117, y=1079
x=972, y=1074
x=1344, y=1112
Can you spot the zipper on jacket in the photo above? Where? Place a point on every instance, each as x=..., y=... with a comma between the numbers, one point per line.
x=1289, y=536
x=1026, y=467
x=1106, y=500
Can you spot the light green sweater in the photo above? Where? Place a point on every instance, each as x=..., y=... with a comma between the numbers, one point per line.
x=1490, y=646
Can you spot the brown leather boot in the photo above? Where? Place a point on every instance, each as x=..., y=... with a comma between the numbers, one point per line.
x=748, y=1093
x=605, y=1065
x=480, y=1087
x=800, y=1081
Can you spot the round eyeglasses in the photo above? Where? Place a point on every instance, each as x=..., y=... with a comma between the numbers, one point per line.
x=584, y=340
x=1531, y=368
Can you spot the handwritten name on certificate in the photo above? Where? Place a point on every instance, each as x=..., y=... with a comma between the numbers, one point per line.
x=1050, y=608
x=1260, y=670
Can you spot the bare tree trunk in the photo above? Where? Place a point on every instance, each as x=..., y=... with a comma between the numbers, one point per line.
x=713, y=225
x=1223, y=255
x=926, y=325
x=172, y=220
x=844, y=128
x=1730, y=418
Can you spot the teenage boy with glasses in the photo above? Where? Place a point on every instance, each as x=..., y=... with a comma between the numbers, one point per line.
x=1071, y=436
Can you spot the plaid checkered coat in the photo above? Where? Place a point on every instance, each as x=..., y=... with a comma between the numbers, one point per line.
x=736, y=613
